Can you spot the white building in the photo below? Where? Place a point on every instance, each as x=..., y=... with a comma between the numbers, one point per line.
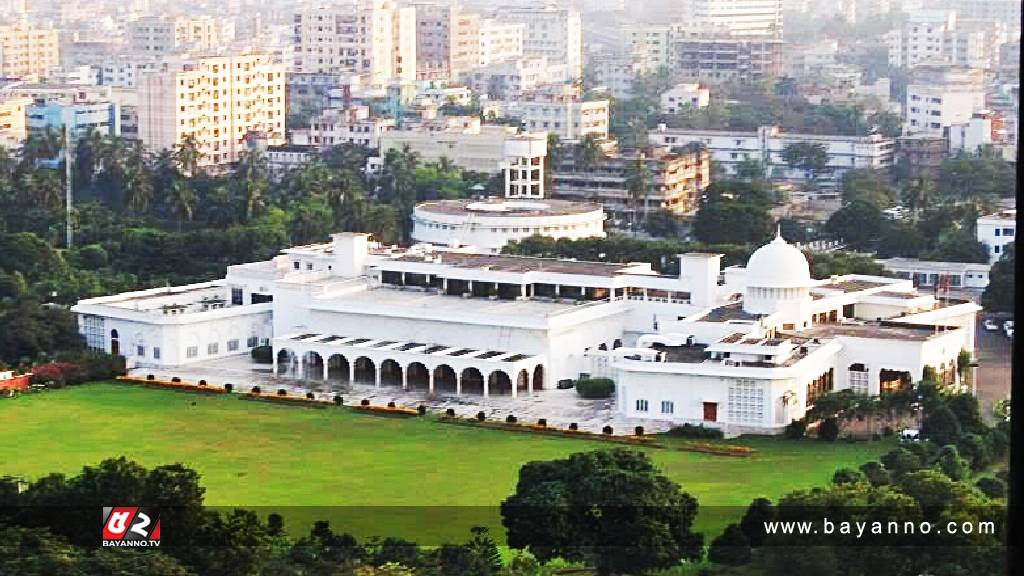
x=161, y=35
x=571, y=117
x=685, y=96
x=511, y=79
x=766, y=145
x=489, y=224
x=556, y=33
x=941, y=96
x=735, y=17
x=337, y=126
x=995, y=231
x=499, y=41
x=939, y=275
x=748, y=355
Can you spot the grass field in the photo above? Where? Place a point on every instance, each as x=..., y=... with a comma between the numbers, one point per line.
x=424, y=480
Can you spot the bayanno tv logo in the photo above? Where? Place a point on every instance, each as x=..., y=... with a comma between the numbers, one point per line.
x=131, y=526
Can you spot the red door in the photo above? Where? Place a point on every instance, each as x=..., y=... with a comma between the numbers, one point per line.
x=711, y=411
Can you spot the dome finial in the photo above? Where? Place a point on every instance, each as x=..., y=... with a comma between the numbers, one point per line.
x=778, y=232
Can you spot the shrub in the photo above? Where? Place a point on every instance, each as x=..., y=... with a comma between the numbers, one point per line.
x=364, y=402
x=202, y=382
x=449, y=412
x=574, y=426
x=150, y=377
x=796, y=429
x=847, y=476
x=638, y=431
x=888, y=432
x=282, y=392
x=759, y=511
x=391, y=404
x=542, y=422
x=255, y=390
x=731, y=547
x=480, y=416
x=421, y=410
x=690, y=431
x=95, y=364
x=565, y=384
x=991, y=487
x=338, y=400
x=175, y=379
x=607, y=430
x=941, y=426
x=829, y=429
x=228, y=388
x=58, y=374
x=310, y=396
x=262, y=355
x=511, y=419
x=595, y=388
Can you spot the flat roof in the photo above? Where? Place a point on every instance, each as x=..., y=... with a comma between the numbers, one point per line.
x=730, y=312
x=881, y=331
x=417, y=301
x=524, y=208
x=507, y=263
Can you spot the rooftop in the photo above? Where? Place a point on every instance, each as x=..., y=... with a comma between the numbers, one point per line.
x=519, y=264
x=877, y=330
x=730, y=312
x=415, y=302
x=509, y=208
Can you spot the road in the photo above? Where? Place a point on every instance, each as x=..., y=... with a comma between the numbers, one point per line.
x=994, y=373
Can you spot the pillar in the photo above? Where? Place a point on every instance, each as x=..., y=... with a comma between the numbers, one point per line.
x=351, y=372
x=405, y=378
x=529, y=383
x=515, y=385
x=430, y=380
x=487, y=381
x=273, y=355
x=522, y=290
x=558, y=290
x=326, y=364
x=376, y=375
x=458, y=383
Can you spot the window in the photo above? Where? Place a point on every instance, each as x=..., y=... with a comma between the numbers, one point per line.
x=252, y=342
x=233, y=345
x=1008, y=231
x=641, y=405
x=746, y=403
x=156, y=352
x=140, y=351
x=998, y=231
x=236, y=297
x=668, y=407
x=212, y=348
x=295, y=265
x=192, y=351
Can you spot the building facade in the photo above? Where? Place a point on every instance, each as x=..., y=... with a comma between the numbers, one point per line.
x=27, y=49
x=556, y=33
x=996, y=231
x=940, y=96
x=13, y=124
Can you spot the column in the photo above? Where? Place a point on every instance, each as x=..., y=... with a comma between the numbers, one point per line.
x=522, y=290
x=326, y=364
x=558, y=290
x=351, y=372
x=487, y=379
x=273, y=356
x=515, y=385
x=430, y=379
x=405, y=378
x=458, y=383
x=376, y=376
x=529, y=383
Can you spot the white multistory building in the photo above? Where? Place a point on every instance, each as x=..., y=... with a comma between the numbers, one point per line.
x=499, y=41
x=567, y=114
x=161, y=35
x=730, y=148
x=747, y=353
x=941, y=96
x=685, y=96
x=996, y=231
x=218, y=101
x=556, y=33
x=511, y=79
x=337, y=126
x=933, y=37
x=734, y=17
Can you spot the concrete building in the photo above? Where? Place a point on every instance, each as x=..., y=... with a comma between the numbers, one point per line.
x=500, y=42
x=162, y=35
x=649, y=44
x=937, y=37
x=447, y=40
x=565, y=114
x=747, y=355
x=552, y=32
x=337, y=126
x=675, y=181
x=27, y=49
x=217, y=100
x=997, y=230
x=984, y=129
x=766, y=145
x=941, y=96
x=760, y=18
x=372, y=38
x=715, y=60
x=685, y=96
x=13, y=125
x=80, y=118
x=939, y=275
x=922, y=154
x=470, y=146
x=512, y=79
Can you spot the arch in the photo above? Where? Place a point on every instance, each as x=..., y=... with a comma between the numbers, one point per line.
x=285, y=361
x=313, y=365
x=499, y=383
x=365, y=371
x=418, y=376
x=523, y=381
x=390, y=373
x=115, y=343
x=337, y=368
x=445, y=379
x=617, y=343
x=538, y=377
x=472, y=381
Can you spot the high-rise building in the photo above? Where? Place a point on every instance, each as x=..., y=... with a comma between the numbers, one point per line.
x=162, y=35
x=13, y=129
x=375, y=39
x=447, y=39
x=499, y=41
x=942, y=37
x=217, y=100
x=734, y=17
x=941, y=96
x=27, y=49
x=556, y=33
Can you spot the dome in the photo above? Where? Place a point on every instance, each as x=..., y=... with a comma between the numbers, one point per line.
x=778, y=264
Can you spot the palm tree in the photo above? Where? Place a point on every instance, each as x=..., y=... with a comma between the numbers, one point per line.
x=41, y=147
x=187, y=155
x=138, y=185
x=637, y=184
x=445, y=165
x=918, y=196
x=254, y=176
x=182, y=200
x=42, y=188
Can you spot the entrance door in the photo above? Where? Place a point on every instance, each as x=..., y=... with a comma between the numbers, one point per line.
x=711, y=411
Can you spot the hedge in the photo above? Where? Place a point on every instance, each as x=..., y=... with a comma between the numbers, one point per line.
x=262, y=355
x=595, y=388
x=690, y=431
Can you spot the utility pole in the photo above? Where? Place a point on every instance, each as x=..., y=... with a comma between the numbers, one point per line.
x=67, y=184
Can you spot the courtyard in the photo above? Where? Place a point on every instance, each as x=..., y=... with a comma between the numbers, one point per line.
x=370, y=475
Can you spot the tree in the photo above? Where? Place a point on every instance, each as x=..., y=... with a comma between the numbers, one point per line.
x=829, y=429
x=662, y=223
x=187, y=155
x=951, y=464
x=847, y=476
x=868, y=185
x=182, y=201
x=724, y=220
x=957, y=245
x=731, y=547
x=999, y=294
x=858, y=224
x=578, y=509
x=941, y=426
x=875, y=473
x=637, y=184
x=759, y=511
x=807, y=156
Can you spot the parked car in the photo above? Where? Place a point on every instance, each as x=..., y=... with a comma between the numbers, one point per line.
x=990, y=325
x=1008, y=328
x=909, y=435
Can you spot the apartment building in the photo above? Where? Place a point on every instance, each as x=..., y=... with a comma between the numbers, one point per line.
x=675, y=180
x=474, y=147
x=941, y=96
x=710, y=59
x=217, y=100
x=996, y=231
x=648, y=44
x=499, y=42
x=159, y=35
x=556, y=33
x=375, y=39
x=943, y=37
x=735, y=18
x=447, y=39
x=685, y=96
x=27, y=49
x=566, y=114
x=766, y=145
x=77, y=117
x=13, y=128
x=353, y=125
x=511, y=79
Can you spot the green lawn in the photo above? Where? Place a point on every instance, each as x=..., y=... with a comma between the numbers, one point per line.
x=430, y=481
